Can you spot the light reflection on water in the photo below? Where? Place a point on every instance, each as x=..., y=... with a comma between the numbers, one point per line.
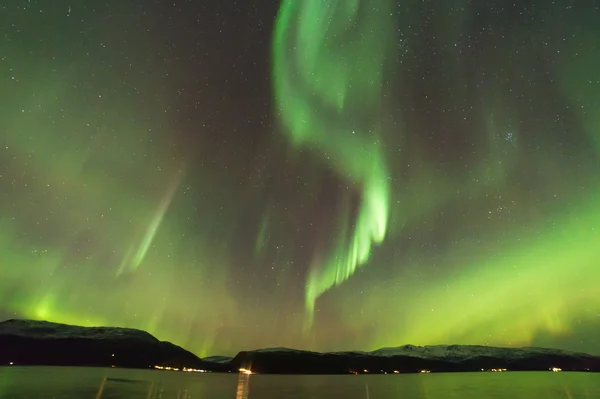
x=243, y=383
x=90, y=383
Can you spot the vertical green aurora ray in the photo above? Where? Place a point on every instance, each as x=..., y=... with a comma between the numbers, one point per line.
x=261, y=235
x=328, y=62
x=146, y=242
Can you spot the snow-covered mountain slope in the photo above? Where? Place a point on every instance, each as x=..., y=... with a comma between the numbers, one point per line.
x=468, y=351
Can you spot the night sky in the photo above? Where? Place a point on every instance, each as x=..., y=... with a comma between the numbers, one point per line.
x=324, y=175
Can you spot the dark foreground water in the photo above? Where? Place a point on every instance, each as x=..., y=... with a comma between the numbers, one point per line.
x=96, y=383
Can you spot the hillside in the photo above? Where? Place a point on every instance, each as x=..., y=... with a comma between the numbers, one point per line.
x=413, y=359
x=27, y=342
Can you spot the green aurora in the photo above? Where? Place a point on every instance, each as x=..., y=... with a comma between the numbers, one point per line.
x=415, y=173
x=328, y=88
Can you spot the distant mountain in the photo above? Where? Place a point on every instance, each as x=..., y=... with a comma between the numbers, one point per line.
x=218, y=359
x=464, y=352
x=26, y=342
x=413, y=359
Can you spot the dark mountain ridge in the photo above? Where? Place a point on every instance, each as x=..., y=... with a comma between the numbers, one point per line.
x=27, y=342
x=414, y=359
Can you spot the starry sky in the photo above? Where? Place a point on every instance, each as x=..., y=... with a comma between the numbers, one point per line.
x=339, y=175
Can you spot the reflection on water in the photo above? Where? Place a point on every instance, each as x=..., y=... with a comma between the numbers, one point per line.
x=76, y=383
x=101, y=389
x=242, y=386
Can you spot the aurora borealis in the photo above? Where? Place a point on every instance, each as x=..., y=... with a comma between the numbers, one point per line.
x=326, y=176
x=332, y=105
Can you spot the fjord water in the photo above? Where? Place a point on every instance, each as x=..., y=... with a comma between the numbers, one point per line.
x=99, y=383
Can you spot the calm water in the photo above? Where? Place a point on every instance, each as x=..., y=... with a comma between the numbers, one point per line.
x=61, y=383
